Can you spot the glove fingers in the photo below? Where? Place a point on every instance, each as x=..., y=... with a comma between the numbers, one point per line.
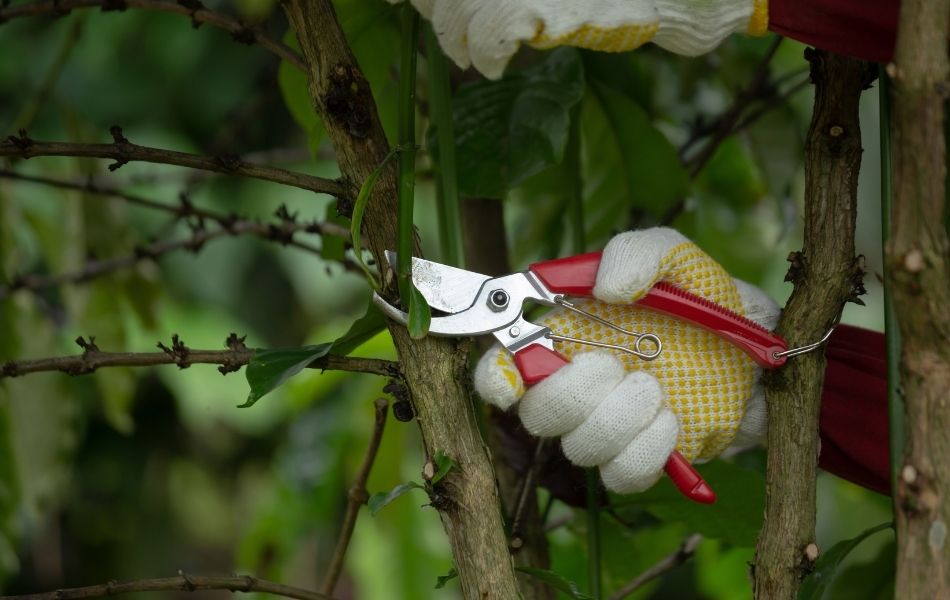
x=497, y=380
x=631, y=262
x=450, y=23
x=624, y=413
x=561, y=402
x=494, y=35
x=639, y=465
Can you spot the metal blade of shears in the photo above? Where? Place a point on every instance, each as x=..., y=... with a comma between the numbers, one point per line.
x=448, y=289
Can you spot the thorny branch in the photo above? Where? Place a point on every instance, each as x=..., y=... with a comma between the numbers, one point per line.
x=356, y=497
x=194, y=9
x=281, y=232
x=181, y=583
x=236, y=356
x=668, y=563
x=122, y=151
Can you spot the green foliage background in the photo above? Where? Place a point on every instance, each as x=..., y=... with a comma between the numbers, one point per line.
x=127, y=474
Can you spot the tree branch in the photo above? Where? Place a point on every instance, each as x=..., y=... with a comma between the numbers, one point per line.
x=199, y=15
x=826, y=274
x=181, y=583
x=917, y=259
x=356, y=498
x=282, y=233
x=236, y=356
x=123, y=151
x=668, y=563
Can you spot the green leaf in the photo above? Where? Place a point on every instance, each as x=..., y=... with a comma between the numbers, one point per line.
x=377, y=501
x=735, y=517
x=444, y=579
x=508, y=130
x=420, y=315
x=269, y=369
x=631, y=148
x=555, y=581
x=814, y=586
x=443, y=463
x=873, y=580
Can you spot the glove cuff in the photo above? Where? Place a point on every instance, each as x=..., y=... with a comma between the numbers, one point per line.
x=694, y=27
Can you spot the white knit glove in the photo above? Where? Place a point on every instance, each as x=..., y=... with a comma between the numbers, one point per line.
x=486, y=33
x=626, y=415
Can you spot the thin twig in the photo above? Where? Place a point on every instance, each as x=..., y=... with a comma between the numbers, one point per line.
x=181, y=583
x=668, y=563
x=123, y=151
x=230, y=360
x=281, y=233
x=725, y=123
x=356, y=498
x=240, y=31
x=528, y=483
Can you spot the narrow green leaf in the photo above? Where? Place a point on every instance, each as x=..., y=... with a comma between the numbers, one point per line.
x=269, y=369
x=377, y=501
x=443, y=463
x=359, y=208
x=555, y=581
x=444, y=579
x=814, y=586
x=360, y=332
x=420, y=315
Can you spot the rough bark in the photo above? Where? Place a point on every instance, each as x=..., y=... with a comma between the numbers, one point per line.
x=919, y=276
x=826, y=274
x=434, y=368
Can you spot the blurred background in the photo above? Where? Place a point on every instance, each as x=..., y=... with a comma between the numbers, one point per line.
x=129, y=474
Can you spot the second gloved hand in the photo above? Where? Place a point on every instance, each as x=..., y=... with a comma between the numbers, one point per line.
x=486, y=33
x=623, y=414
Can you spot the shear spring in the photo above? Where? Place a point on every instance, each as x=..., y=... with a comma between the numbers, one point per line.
x=637, y=350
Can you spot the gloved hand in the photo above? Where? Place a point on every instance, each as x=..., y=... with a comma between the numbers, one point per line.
x=487, y=33
x=626, y=415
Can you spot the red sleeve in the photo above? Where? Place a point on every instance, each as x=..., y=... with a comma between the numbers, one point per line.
x=854, y=418
x=860, y=28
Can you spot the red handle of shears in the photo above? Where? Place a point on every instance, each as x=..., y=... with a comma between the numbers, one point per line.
x=575, y=276
x=535, y=362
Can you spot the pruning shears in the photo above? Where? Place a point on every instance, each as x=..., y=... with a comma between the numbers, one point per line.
x=474, y=304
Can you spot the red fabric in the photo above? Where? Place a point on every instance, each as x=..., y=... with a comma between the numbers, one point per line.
x=861, y=28
x=854, y=420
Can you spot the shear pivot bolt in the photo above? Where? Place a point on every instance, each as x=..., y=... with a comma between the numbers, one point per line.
x=498, y=300
x=514, y=332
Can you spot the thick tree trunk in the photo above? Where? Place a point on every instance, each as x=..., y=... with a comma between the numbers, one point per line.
x=825, y=274
x=435, y=368
x=917, y=257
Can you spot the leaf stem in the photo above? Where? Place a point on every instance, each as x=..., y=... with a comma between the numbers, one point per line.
x=440, y=100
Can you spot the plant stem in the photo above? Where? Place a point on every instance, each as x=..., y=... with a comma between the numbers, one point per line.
x=593, y=533
x=407, y=143
x=892, y=334
x=440, y=102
